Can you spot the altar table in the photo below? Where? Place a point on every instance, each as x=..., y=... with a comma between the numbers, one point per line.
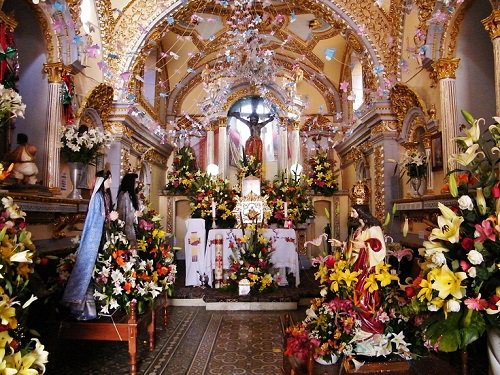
x=284, y=254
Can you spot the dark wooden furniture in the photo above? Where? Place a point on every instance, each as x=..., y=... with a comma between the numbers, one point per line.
x=123, y=327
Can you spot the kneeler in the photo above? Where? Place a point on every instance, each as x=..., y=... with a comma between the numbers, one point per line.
x=194, y=247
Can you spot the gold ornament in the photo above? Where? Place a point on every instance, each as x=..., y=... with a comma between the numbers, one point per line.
x=360, y=194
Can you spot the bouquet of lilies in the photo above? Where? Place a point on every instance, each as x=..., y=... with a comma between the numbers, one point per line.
x=460, y=280
x=251, y=259
x=19, y=353
x=82, y=144
x=11, y=104
x=321, y=177
x=179, y=180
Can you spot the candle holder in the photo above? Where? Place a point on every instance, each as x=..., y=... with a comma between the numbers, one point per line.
x=214, y=224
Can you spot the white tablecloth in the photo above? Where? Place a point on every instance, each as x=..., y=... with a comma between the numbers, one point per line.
x=194, y=245
x=284, y=254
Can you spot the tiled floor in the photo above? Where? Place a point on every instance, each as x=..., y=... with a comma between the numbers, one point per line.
x=197, y=342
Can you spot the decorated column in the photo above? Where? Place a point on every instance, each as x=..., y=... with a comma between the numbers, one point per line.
x=295, y=143
x=283, y=147
x=210, y=145
x=492, y=25
x=54, y=123
x=223, y=148
x=430, y=176
x=445, y=69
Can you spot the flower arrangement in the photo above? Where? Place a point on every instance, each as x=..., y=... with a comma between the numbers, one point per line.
x=249, y=166
x=152, y=246
x=123, y=274
x=251, y=260
x=11, y=104
x=414, y=163
x=206, y=189
x=362, y=311
x=291, y=191
x=184, y=168
x=321, y=178
x=19, y=353
x=460, y=279
x=81, y=144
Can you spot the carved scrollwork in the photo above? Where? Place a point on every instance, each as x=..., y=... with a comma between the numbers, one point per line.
x=379, y=183
x=402, y=100
x=100, y=99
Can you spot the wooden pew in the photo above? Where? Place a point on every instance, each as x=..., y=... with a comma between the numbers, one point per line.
x=123, y=327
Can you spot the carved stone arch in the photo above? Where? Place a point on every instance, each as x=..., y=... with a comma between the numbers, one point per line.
x=403, y=99
x=51, y=42
x=362, y=170
x=414, y=120
x=91, y=118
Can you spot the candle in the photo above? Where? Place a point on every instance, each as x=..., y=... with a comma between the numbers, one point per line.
x=213, y=209
x=286, y=210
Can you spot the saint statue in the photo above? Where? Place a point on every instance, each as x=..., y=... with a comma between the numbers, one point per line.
x=128, y=205
x=368, y=250
x=253, y=145
x=23, y=157
x=79, y=292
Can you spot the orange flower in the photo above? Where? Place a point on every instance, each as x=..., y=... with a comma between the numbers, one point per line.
x=127, y=287
x=118, y=256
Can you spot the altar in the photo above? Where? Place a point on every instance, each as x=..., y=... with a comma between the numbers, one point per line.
x=284, y=256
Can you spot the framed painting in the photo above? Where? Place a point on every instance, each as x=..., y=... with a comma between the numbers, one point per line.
x=437, y=152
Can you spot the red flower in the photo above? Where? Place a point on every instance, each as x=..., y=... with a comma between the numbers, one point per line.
x=467, y=243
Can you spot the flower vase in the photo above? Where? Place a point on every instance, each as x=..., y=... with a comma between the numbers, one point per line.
x=75, y=173
x=415, y=186
x=493, y=335
x=327, y=360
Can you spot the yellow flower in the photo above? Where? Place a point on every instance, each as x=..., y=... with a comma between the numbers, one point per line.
x=385, y=278
x=481, y=201
x=7, y=312
x=349, y=277
x=4, y=370
x=22, y=363
x=426, y=291
x=447, y=282
x=371, y=283
x=449, y=225
x=141, y=244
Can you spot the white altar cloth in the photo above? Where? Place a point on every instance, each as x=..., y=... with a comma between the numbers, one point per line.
x=194, y=247
x=284, y=254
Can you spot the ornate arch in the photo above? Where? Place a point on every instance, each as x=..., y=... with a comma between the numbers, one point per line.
x=100, y=100
x=403, y=99
x=139, y=15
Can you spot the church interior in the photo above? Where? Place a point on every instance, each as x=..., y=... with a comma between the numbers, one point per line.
x=249, y=186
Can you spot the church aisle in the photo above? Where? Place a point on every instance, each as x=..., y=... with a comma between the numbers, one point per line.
x=195, y=342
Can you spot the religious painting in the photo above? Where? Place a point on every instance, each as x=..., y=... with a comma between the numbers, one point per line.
x=437, y=152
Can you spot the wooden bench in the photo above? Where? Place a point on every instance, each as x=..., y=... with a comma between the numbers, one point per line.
x=123, y=327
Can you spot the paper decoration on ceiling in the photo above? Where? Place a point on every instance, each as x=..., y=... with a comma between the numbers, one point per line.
x=330, y=53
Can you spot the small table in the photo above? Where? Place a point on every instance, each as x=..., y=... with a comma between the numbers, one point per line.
x=284, y=255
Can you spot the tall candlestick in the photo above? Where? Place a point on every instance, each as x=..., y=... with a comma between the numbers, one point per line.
x=286, y=210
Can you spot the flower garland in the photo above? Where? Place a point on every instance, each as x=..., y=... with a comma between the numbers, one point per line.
x=184, y=168
x=251, y=260
x=321, y=177
x=460, y=280
x=19, y=353
x=81, y=144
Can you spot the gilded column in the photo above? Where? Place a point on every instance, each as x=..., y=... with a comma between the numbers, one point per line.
x=223, y=148
x=54, y=123
x=210, y=146
x=445, y=69
x=283, y=146
x=295, y=144
x=492, y=25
